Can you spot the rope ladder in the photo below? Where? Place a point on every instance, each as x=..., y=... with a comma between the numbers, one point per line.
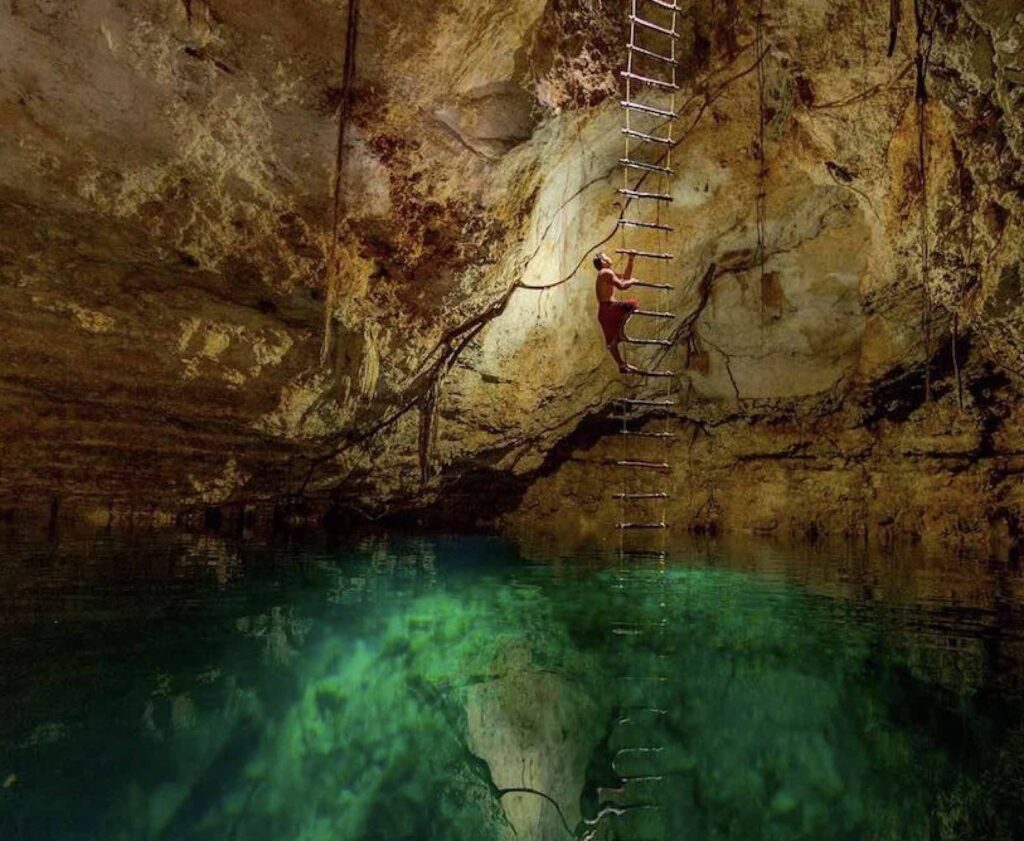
x=649, y=109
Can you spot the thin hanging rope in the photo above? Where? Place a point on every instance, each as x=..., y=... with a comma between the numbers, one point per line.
x=344, y=113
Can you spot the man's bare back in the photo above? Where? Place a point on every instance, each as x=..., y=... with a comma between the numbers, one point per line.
x=606, y=285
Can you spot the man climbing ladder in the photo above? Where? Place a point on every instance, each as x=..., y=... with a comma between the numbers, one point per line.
x=649, y=111
x=638, y=808
x=612, y=313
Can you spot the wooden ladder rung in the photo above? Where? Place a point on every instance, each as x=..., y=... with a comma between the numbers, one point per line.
x=672, y=7
x=647, y=285
x=640, y=401
x=647, y=109
x=650, y=138
x=641, y=526
x=626, y=808
x=650, y=554
x=642, y=373
x=645, y=167
x=654, y=226
x=632, y=434
x=652, y=495
x=647, y=80
x=653, y=314
x=646, y=24
x=629, y=340
x=637, y=194
x=652, y=54
x=660, y=623
x=643, y=465
x=651, y=255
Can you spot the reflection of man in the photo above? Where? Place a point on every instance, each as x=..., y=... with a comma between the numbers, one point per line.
x=612, y=314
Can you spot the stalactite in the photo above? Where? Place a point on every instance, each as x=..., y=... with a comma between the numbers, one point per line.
x=428, y=429
x=344, y=112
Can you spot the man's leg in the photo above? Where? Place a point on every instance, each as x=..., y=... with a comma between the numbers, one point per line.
x=624, y=366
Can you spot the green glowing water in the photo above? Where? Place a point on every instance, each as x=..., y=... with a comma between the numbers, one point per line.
x=450, y=690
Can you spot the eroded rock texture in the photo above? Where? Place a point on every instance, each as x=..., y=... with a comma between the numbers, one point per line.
x=189, y=322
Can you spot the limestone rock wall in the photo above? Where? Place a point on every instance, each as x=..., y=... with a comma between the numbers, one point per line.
x=188, y=323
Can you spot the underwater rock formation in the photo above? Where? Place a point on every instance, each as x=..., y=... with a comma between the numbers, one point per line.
x=530, y=726
x=192, y=319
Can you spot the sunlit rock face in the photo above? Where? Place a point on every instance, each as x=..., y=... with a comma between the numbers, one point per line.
x=187, y=324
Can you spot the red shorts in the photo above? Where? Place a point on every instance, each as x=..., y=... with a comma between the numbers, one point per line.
x=611, y=315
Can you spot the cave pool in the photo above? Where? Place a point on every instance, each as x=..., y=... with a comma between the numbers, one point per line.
x=465, y=688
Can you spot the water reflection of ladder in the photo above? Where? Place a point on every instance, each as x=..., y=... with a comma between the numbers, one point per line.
x=644, y=760
x=649, y=107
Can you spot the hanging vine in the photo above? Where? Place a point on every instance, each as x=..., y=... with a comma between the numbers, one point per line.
x=922, y=56
x=760, y=211
x=894, y=25
x=969, y=205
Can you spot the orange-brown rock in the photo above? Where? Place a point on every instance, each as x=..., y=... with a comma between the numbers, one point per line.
x=184, y=326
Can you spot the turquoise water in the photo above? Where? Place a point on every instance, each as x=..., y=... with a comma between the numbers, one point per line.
x=450, y=689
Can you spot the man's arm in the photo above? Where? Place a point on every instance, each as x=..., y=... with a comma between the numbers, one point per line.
x=628, y=274
x=614, y=279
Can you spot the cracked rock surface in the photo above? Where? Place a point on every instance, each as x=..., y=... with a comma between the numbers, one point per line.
x=188, y=323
